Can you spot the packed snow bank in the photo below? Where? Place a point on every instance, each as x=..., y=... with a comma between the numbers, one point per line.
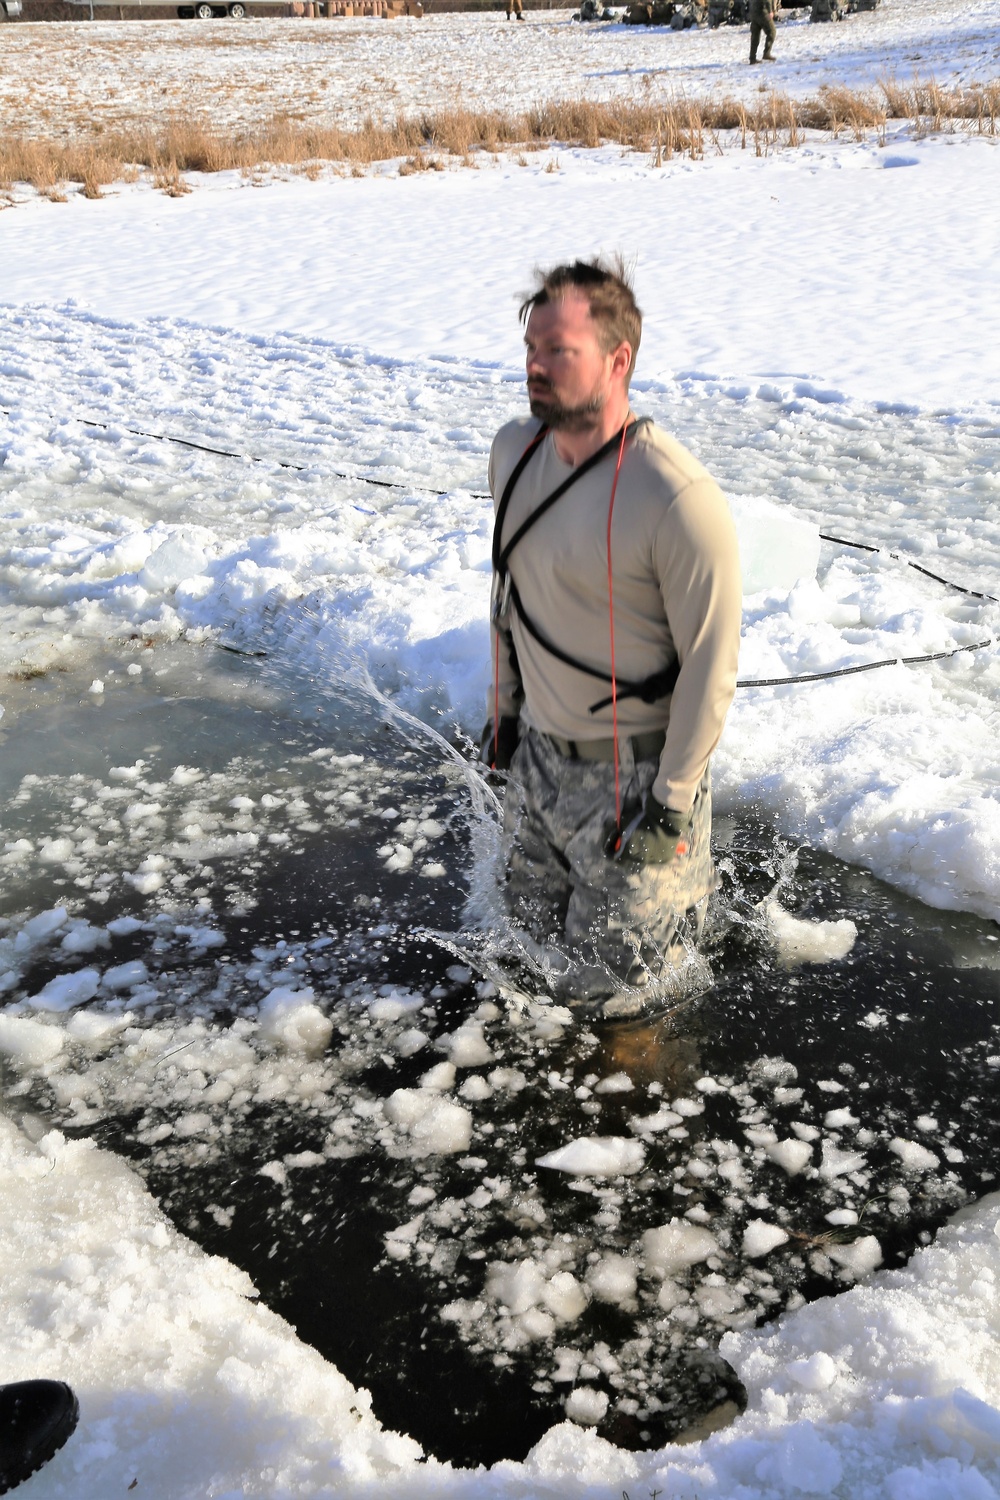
x=185, y=1384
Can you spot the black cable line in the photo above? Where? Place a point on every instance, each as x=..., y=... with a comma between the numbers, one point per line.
x=869, y=666
x=252, y=458
x=960, y=588
x=391, y=484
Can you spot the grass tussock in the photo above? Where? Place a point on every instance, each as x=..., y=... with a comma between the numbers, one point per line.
x=422, y=142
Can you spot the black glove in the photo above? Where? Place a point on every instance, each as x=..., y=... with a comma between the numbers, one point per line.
x=659, y=836
x=497, y=750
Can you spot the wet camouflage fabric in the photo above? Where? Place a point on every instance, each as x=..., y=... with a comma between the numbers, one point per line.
x=611, y=922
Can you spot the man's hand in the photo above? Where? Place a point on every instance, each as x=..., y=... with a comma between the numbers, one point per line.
x=660, y=835
x=497, y=750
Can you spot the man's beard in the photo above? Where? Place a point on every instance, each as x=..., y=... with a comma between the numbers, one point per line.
x=551, y=411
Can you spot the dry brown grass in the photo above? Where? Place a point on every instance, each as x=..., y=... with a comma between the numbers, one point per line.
x=420, y=142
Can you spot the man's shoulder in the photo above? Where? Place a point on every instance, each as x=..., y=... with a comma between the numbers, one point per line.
x=671, y=463
x=515, y=436
x=508, y=445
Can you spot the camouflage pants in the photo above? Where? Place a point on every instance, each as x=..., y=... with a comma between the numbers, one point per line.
x=758, y=26
x=611, y=922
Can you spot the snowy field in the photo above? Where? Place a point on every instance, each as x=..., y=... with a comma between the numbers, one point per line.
x=58, y=80
x=824, y=334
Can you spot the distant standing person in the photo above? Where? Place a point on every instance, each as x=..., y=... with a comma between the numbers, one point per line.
x=514, y=8
x=762, y=13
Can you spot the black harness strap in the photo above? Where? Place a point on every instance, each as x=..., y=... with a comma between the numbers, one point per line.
x=651, y=689
x=500, y=556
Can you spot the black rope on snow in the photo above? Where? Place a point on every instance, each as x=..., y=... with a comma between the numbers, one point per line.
x=391, y=484
x=252, y=458
x=870, y=666
x=898, y=557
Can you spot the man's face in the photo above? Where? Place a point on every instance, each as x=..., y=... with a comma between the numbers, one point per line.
x=569, y=374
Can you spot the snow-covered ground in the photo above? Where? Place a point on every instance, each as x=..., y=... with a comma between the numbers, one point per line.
x=57, y=79
x=824, y=334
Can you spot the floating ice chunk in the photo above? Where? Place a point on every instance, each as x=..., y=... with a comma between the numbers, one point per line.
x=596, y=1156
x=410, y=1041
x=83, y=938
x=777, y=547
x=37, y=929
x=817, y=1373
x=440, y=1078
x=463, y=1312
x=791, y=1156
x=467, y=1047
x=394, y=1006
x=859, y=1258
x=536, y=1323
x=614, y=1279
x=760, y=1238
x=586, y=1407
x=564, y=1297
x=841, y=1216
x=202, y=938
x=799, y=942
x=838, y=1119
x=475, y=1089
x=708, y=1085
x=124, y=976
x=181, y=775
x=915, y=1158
x=663, y=1119
x=90, y=1026
x=516, y=1285
x=55, y=851
x=670, y=1296
x=568, y=1362
x=67, y=990
x=127, y=773
x=29, y=1042
x=508, y=1078
x=717, y=1300
x=433, y=1126
x=290, y=1019
x=124, y=926
x=675, y=1246
x=176, y=559
x=615, y=1083
x=836, y=1163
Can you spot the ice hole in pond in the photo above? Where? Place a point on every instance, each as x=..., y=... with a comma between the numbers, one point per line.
x=368, y=1151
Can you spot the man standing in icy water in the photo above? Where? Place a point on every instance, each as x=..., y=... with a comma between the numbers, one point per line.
x=616, y=624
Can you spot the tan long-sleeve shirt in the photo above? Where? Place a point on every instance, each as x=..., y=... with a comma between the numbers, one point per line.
x=677, y=596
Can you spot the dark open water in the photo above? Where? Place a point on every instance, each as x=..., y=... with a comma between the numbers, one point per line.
x=902, y=1034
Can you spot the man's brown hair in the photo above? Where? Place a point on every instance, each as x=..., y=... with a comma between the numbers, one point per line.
x=607, y=286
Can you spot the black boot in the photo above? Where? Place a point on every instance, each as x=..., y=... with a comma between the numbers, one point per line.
x=36, y=1418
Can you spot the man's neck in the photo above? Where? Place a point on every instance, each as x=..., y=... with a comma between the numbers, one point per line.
x=574, y=448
